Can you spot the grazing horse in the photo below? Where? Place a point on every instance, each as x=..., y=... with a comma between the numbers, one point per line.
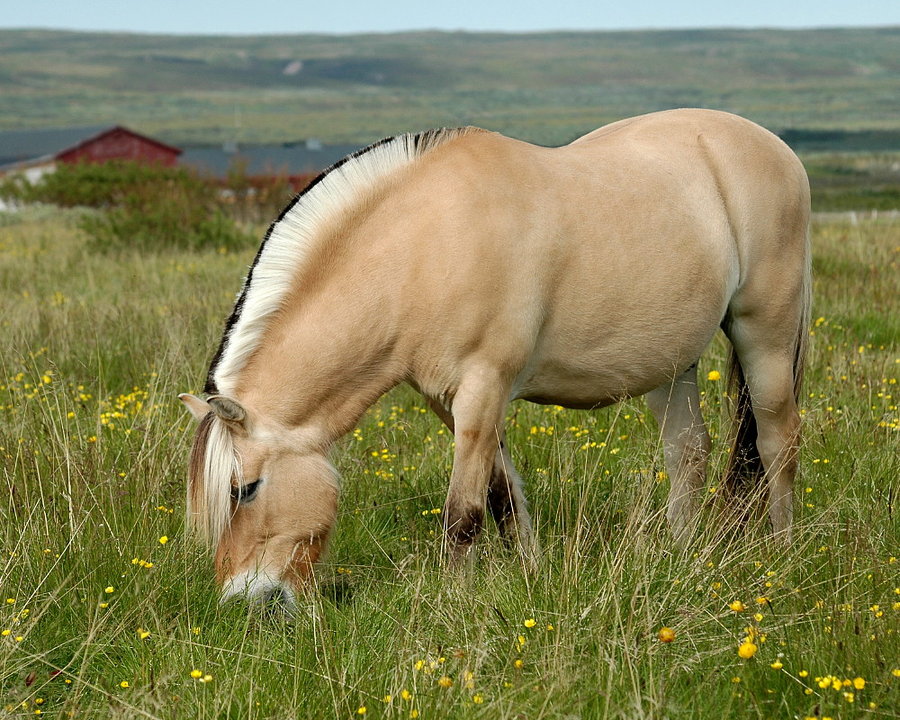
x=480, y=270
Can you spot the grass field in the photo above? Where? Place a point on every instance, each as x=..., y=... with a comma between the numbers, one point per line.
x=107, y=609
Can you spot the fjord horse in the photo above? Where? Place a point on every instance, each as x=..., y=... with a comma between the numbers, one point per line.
x=481, y=269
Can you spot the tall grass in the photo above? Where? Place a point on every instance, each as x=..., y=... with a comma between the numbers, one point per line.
x=107, y=620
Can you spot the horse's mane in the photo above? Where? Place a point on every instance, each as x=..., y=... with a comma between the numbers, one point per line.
x=291, y=238
x=213, y=465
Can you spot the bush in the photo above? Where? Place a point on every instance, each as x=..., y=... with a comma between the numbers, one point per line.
x=259, y=199
x=139, y=206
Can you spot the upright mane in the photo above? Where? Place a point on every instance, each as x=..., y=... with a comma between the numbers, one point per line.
x=291, y=238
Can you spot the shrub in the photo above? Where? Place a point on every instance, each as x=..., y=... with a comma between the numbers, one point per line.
x=138, y=206
x=259, y=199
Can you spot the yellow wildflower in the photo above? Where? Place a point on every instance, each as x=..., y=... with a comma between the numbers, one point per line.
x=714, y=375
x=445, y=681
x=361, y=710
x=777, y=665
x=123, y=684
x=859, y=683
x=477, y=699
x=143, y=634
x=164, y=539
x=666, y=634
x=736, y=606
x=196, y=674
x=406, y=694
x=530, y=623
x=747, y=649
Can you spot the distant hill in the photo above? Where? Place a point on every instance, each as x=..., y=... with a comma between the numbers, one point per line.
x=547, y=88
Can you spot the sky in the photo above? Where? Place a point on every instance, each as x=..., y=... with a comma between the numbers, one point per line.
x=355, y=16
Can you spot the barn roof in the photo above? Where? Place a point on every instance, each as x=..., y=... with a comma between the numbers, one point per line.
x=21, y=146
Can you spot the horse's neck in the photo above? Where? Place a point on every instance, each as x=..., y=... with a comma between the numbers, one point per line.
x=324, y=360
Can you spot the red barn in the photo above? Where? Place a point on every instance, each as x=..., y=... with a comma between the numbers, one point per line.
x=38, y=151
x=119, y=143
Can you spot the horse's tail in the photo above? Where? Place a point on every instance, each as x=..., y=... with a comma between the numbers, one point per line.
x=744, y=469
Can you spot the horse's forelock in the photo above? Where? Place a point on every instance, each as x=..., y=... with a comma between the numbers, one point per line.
x=213, y=464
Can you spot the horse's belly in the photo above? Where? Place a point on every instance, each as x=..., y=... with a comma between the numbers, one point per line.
x=623, y=320
x=594, y=372
x=579, y=387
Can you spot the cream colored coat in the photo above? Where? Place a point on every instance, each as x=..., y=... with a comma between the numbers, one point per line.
x=481, y=269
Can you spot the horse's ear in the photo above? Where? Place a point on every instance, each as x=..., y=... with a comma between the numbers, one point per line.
x=227, y=410
x=198, y=408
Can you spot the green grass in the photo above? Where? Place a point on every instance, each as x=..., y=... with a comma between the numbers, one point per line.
x=93, y=448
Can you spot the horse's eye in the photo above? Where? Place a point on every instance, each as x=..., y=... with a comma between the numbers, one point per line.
x=245, y=493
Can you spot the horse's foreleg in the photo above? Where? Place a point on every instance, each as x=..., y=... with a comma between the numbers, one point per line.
x=505, y=495
x=478, y=409
x=686, y=446
x=506, y=501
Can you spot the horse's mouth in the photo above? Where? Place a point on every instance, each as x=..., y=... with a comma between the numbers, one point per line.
x=262, y=589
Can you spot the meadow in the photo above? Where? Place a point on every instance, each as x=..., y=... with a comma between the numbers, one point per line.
x=108, y=607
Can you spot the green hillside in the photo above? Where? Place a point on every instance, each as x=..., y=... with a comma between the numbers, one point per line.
x=546, y=88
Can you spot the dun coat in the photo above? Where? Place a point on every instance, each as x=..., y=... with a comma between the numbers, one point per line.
x=480, y=270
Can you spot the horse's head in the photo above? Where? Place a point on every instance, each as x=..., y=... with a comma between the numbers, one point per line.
x=262, y=497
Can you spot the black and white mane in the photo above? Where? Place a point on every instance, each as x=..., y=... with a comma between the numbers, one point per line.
x=290, y=239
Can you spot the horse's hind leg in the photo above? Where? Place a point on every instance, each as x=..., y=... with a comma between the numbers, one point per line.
x=765, y=351
x=686, y=446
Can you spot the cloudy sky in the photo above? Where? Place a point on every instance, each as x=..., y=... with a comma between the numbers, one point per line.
x=352, y=16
